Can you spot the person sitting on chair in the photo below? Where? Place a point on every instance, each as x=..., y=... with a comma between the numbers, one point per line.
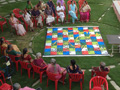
x=39, y=61
x=36, y=14
x=49, y=16
x=41, y=6
x=101, y=68
x=56, y=69
x=60, y=12
x=73, y=11
x=51, y=4
x=5, y=44
x=85, y=12
x=73, y=68
x=27, y=18
x=62, y=2
x=11, y=51
x=29, y=6
x=26, y=57
x=17, y=25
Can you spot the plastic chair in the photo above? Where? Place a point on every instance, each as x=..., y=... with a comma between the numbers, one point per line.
x=24, y=65
x=5, y=86
x=68, y=3
x=2, y=23
x=38, y=70
x=17, y=11
x=98, y=73
x=52, y=77
x=13, y=60
x=76, y=78
x=97, y=82
x=2, y=75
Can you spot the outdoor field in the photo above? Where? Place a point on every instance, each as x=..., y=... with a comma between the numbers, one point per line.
x=102, y=15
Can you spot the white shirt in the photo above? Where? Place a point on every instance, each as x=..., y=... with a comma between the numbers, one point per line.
x=59, y=8
x=27, y=17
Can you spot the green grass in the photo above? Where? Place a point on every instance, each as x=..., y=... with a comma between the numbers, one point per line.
x=107, y=26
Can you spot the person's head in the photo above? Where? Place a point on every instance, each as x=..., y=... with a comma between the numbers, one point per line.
x=38, y=55
x=47, y=6
x=53, y=61
x=11, y=14
x=85, y=3
x=72, y=2
x=25, y=51
x=40, y=1
x=28, y=2
x=16, y=86
x=59, y=4
x=39, y=88
x=25, y=11
x=1, y=41
x=73, y=64
x=102, y=65
x=50, y=0
x=35, y=8
x=9, y=48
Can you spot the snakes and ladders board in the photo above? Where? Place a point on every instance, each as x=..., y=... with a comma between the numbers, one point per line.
x=74, y=41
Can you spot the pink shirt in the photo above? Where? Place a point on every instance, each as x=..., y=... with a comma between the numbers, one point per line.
x=27, y=88
x=53, y=70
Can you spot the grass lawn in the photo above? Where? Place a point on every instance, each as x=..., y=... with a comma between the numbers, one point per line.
x=108, y=25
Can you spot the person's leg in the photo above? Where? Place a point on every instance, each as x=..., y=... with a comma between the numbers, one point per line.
x=54, y=11
x=40, y=21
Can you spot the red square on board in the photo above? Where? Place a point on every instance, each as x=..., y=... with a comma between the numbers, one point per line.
x=89, y=43
x=86, y=30
x=65, y=36
x=95, y=28
x=70, y=28
x=96, y=49
x=53, y=53
x=54, y=38
x=100, y=40
x=49, y=34
x=59, y=43
x=60, y=31
x=47, y=47
x=75, y=32
x=92, y=35
x=65, y=49
x=85, y=52
x=71, y=40
x=77, y=46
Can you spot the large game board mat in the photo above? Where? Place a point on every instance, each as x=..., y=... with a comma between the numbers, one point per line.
x=74, y=41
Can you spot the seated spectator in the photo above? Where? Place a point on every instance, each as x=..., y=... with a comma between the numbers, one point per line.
x=101, y=68
x=51, y=4
x=27, y=18
x=19, y=27
x=11, y=51
x=60, y=12
x=29, y=6
x=62, y=2
x=49, y=16
x=56, y=69
x=39, y=61
x=36, y=14
x=85, y=12
x=5, y=45
x=26, y=57
x=41, y=6
x=73, y=11
x=73, y=68
x=17, y=86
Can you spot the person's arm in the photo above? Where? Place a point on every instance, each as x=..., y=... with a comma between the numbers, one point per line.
x=44, y=62
x=69, y=7
x=76, y=9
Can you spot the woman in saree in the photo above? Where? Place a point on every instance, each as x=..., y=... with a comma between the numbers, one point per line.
x=19, y=27
x=85, y=12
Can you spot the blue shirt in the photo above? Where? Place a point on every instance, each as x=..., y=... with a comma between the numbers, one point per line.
x=72, y=7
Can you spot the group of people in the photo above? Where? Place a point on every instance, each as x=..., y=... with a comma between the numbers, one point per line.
x=53, y=67
x=48, y=11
